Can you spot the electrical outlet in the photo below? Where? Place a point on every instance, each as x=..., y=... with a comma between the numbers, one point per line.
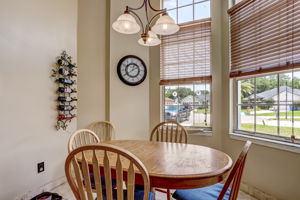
x=40, y=167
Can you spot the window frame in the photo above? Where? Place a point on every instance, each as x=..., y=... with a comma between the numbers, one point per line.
x=258, y=135
x=191, y=129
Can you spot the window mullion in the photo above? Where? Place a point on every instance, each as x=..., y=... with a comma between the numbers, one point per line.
x=255, y=104
x=278, y=105
x=293, y=120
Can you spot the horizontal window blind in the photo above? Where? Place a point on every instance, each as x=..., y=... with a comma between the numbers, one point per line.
x=185, y=56
x=265, y=36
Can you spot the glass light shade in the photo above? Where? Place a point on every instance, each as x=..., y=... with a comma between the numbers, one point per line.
x=126, y=24
x=152, y=40
x=165, y=25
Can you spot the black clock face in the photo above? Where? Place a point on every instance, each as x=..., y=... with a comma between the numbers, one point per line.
x=132, y=70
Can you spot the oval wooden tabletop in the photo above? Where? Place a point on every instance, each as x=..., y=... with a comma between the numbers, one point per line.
x=179, y=166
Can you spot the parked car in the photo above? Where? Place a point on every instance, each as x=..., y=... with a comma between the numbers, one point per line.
x=176, y=113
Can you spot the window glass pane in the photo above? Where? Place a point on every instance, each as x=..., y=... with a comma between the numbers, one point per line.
x=246, y=91
x=186, y=98
x=185, y=14
x=171, y=103
x=171, y=95
x=202, y=107
x=266, y=121
x=169, y=4
x=202, y=10
x=267, y=89
x=296, y=85
x=186, y=112
x=173, y=14
x=200, y=116
x=184, y=2
x=285, y=89
x=188, y=104
x=286, y=121
x=245, y=118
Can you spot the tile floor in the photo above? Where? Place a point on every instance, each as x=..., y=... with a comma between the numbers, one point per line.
x=65, y=191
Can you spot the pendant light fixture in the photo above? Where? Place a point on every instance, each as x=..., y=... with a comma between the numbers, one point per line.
x=127, y=24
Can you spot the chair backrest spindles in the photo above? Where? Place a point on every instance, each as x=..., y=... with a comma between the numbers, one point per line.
x=97, y=175
x=82, y=137
x=169, y=132
x=91, y=159
x=103, y=129
x=130, y=182
x=119, y=178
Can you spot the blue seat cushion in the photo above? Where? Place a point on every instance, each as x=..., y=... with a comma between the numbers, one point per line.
x=206, y=193
x=113, y=181
x=138, y=195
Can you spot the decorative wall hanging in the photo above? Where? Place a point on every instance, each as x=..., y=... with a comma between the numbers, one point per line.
x=165, y=25
x=65, y=76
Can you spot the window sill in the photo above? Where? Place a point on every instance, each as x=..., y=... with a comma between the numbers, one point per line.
x=193, y=132
x=267, y=142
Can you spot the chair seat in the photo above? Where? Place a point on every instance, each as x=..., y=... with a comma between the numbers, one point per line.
x=206, y=193
x=138, y=195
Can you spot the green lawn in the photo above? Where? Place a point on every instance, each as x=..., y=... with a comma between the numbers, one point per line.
x=284, y=131
x=283, y=119
x=202, y=111
x=289, y=113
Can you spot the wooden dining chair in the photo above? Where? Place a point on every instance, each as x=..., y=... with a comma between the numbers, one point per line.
x=169, y=132
x=103, y=129
x=102, y=158
x=82, y=137
x=219, y=191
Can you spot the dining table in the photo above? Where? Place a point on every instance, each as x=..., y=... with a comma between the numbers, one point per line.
x=176, y=165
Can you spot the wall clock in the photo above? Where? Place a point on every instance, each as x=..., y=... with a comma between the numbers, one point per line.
x=132, y=70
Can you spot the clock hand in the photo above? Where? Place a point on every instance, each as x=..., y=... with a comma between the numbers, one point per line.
x=133, y=68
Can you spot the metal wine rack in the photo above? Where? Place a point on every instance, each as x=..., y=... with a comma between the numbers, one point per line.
x=65, y=76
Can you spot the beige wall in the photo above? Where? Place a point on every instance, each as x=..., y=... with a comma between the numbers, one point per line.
x=93, y=56
x=271, y=170
x=129, y=105
x=102, y=96
x=32, y=34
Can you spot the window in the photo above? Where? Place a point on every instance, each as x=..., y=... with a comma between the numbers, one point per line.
x=265, y=64
x=188, y=105
x=270, y=105
x=185, y=65
x=187, y=10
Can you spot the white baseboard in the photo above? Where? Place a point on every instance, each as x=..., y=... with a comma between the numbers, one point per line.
x=45, y=188
x=256, y=193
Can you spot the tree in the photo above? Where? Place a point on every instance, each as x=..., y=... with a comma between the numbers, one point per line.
x=247, y=89
x=182, y=92
x=266, y=83
x=204, y=91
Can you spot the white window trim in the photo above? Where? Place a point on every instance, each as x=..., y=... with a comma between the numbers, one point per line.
x=277, y=142
x=287, y=146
